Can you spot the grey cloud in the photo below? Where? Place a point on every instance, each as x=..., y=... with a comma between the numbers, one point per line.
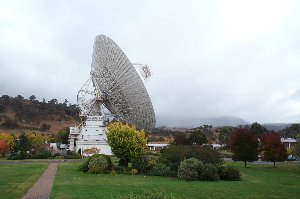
x=205, y=62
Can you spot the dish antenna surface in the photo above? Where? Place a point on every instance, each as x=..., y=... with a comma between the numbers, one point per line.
x=115, y=89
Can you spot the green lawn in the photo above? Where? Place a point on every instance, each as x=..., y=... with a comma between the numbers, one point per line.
x=258, y=181
x=16, y=180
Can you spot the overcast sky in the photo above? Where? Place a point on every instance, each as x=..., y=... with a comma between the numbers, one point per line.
x=208, y=58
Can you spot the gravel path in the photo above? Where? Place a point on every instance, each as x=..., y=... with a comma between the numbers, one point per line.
x=42, y=188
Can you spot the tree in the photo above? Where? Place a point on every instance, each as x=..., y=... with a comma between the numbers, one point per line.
x=244, y=145
x=291, y=131
x=32, y=98
x=19, y=97
x=273, y=149
x=4, y=148
x=198, y=137
x=8, y=139
x=22, y=144
x=182, y=139
x=297, y=149
x=36, y=141
x=6, y=99
x=126, y=141
x=63, y=136
x=225, y=133
x=258, y=129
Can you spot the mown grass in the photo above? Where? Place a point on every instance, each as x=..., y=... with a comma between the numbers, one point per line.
x=258, y=181
x=16, y=180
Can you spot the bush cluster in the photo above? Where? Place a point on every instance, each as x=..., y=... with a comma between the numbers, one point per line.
x=150, y=194
x=72, y=155
x=194, y=169
x=189, y=169
x=209, y=172
x=144, y=164
x=97, y=163
x=228, y=173
x=160, y=169
x=42, y=154
x=173, y=155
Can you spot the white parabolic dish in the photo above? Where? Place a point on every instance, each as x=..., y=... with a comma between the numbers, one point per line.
x=125, y=94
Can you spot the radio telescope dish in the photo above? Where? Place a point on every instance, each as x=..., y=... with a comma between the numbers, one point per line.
x=115, y=89
x=119, y=85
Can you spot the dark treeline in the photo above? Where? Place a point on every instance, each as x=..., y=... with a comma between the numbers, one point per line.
x=222, y=134
x=33, y=111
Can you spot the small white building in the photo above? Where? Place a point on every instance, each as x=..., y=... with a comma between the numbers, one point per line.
x=288, y=142
x=89, y=134
x=156, y=146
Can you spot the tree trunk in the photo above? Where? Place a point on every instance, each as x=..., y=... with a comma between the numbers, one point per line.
x=245, y=164
x=274, y=164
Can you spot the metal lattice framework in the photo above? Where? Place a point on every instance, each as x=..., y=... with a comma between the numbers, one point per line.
x=119, y=85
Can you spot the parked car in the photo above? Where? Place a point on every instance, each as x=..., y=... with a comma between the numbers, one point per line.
x=291, y=158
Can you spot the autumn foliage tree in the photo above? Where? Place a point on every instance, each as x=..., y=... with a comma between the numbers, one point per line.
x=8, y=139
x=37, y=141
x=126, y=141
x=244, y=145
x=4, y=148
x=91, y=151
x=273, y=150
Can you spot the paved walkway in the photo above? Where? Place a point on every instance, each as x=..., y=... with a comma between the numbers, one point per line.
x=42, y=188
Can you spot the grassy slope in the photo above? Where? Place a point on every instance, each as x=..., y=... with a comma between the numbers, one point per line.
x=258, y=181
x=16, y=180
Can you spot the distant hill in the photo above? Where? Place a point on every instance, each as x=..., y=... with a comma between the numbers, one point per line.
x=276, y=126
x=224, y=121
x=18, y=113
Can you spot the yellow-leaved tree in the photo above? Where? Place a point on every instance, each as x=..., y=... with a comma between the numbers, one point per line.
x=36, y=140
x=126, y=141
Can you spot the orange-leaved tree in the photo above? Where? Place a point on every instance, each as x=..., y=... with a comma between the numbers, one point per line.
x=4, y=148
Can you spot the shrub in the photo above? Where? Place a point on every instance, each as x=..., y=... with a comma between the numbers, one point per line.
x=23, y=155
x=160, y=169
x=72, y=155
x=228, y=173
x=42, y=154
x=209, y=172
x=205, y=154
x=150, y=194
x=189, y=168
x=84, y=167
x=122, y=169
x=98, y=165
x=173, y=155
x=75, y=156
x=133, y=172
x=144, y=163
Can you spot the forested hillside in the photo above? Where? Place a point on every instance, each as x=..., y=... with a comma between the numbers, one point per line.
x=18, y=113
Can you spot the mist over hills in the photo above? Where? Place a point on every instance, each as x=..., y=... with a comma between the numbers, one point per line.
x=194, y=122
x=217, y=122
x=225, y=121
